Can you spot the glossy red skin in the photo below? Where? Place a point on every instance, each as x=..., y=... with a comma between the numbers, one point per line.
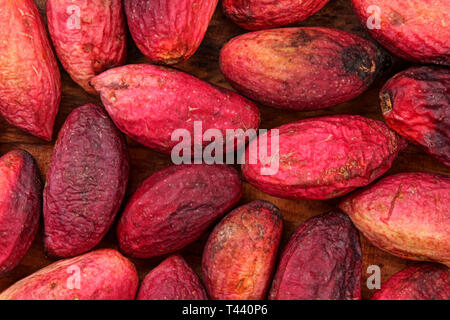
x=20, y=207
x=86, y=182
x=169, y=31
x=300, y=68
x=148, y=103
x=99, y=43
x=322, y=261
x=173, y=279
x=420, y=282
x=257, y=15
x=324, y=158
x=105, y=275
x=175, y=206
x=383, y=213
x=240, y=254
x=415, y=103
x=30, y=83
x=415, y=30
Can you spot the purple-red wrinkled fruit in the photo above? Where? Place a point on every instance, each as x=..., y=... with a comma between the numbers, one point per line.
x=20, y=207
x=322, y=261
x=86, y=182
x=174, y=207
x=89, y=36
x=240, y=254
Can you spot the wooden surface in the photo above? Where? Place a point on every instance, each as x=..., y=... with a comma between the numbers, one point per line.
x=144, y=162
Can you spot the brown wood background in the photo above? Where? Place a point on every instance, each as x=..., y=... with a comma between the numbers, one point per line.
x=144, y=162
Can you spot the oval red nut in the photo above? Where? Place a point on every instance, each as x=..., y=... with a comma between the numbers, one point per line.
x=174, y=206
x=420, y=282
x=321, y=158
x=89, y=36
x=98, y=275
x=149, y=103
x=30, y=83
x=322, y=261
x=416, y=104
x=20, y=207
x=300, y=68
x=407, y=215
x=173, y=279
x=240, y=254
x=86, y=182
x=169, y=31
x=415, y=30
x=257, y=14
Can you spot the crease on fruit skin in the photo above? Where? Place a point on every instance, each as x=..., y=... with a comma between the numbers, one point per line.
x=105, y=275
x=420, y=282
x=173, y=279
x=322, y=261
x=415, y=30
x=175, y=206
x=99, y=44
x=86, y=182
x=20, y=207
x=415, y=104
x=300, y=68
x=148, y=103
x=326, y=157
x=254, y=15
x=30, y=84
x=169, y=32
x=383, y=214
x=240, y=254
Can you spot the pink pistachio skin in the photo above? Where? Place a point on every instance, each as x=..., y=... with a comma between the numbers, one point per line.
x=20, y=207
x=406, y=214
x=175, y=206
x=30, y=83
x=322, y=261
x=241, y=252
x=89, y=36
x=421, y=282
x=149, y=103
x=173, y=279
x=415, y=103
x=301, y=69
x=98, y=275
x=415, y=30
x=322, y=158
x=169, y=31
x=258, y=15
x=86, y=182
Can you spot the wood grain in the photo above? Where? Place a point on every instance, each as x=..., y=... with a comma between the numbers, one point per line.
x=337, y=14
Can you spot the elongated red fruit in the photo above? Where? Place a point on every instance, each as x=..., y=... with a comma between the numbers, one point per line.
x=406, y=215
x=150, y=103
x=416, y=30
x=322, y=261
x=98, y=275
x=86, y=182
x=174, y=206
x=173, y=279
x=89, y=36
x=257, y=14
x=20, y=207
x=169, y=31
x=321, y=158
x=300, y=68
x=30, y=83
x=240, y=254
x=421, y=282
x=416, y=104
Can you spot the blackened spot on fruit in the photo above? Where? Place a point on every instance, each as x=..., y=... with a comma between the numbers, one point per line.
x=386, y=101
x=117, y=86
x=356, y=60
x=396, y=18
x=300, y=39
